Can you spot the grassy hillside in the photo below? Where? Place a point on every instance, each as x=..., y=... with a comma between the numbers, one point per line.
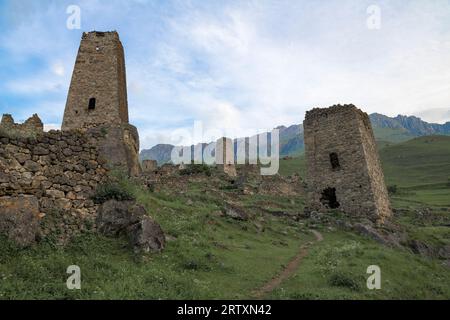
x=209, y=255
x=424, y=160
x=392, y=135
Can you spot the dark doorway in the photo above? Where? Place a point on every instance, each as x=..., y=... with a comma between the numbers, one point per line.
x=91, y=104
x=329, y=198
x=334, y=159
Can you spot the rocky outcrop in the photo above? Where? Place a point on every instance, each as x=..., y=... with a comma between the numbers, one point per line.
x=19, y=219
x=117, y=218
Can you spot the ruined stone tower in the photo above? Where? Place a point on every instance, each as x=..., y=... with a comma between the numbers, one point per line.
x=344, y=170
x=224, y=154
x=97, y=99
x=97, y=93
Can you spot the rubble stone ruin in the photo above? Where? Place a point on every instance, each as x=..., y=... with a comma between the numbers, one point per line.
x=149, y=165
x=344, y=171
x=97, y=98
x=30, y=127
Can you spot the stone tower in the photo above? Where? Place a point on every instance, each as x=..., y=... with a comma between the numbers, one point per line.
x=97, y=99
x=224, y=154
x=344, y=170
x=97, y=93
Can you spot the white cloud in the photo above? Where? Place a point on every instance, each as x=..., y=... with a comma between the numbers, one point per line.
x=51, y=126
x=58, y=68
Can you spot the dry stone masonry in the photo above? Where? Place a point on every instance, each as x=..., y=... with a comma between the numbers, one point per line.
x=59, y=170
x=344, y=170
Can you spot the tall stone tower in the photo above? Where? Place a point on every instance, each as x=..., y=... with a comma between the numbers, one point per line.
x=97, y=99
x=344, y=170
x=97, y=93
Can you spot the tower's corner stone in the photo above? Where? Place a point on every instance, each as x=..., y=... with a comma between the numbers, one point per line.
x=344, y=170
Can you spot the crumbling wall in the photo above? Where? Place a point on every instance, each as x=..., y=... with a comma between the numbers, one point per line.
x=61, y=169
x=30, y=127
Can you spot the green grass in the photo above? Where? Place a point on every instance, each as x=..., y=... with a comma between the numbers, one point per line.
x=424, y=160
x=336, y=269
x=293, y=165
x=392, y=135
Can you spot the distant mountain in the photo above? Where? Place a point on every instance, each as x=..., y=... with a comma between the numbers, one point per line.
x=411, y=124
x=161, y=153
x=387, y=130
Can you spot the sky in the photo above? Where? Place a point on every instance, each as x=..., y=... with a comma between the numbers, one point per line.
x=240, y=67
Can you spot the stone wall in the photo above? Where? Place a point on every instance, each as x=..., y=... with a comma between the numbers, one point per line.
x=60, y=169
x=344, y=170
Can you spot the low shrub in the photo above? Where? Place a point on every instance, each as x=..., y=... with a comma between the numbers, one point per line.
x=392, y=189
x=112, y=191
x=195, y=169
x=341, y=279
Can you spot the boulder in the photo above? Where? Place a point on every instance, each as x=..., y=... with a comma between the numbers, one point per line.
x=19, y=219
x=127, y=218
x=146, y=235
x=422, y=248
x=114, y=217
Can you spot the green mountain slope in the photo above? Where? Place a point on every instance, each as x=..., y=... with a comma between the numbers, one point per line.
x=423, y=160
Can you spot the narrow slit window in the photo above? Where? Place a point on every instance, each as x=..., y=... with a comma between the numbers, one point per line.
x=91, y=104
x=334, y=159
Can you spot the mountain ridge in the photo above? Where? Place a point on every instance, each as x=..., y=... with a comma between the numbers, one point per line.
x=386, y=129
